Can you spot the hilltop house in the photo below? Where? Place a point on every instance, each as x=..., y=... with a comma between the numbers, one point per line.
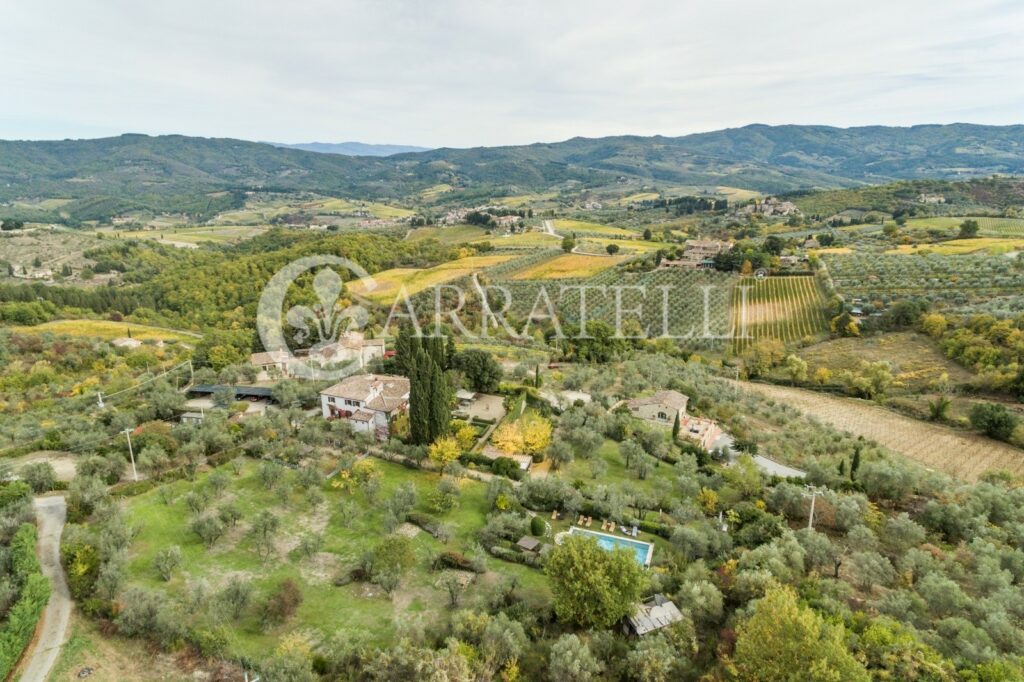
x=664, y=407
x=367, y=401
x=661, y=408
x=699, y=254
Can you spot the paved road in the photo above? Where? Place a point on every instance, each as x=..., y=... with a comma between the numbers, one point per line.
x=768, y=466
x=51, y=512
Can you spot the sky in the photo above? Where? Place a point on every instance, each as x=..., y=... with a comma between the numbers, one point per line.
x=483, y=72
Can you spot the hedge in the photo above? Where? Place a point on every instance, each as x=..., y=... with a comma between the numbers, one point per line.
x=515, y=556
x=35, y=592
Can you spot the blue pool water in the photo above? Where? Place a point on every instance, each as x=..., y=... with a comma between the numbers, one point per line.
x=642, y=550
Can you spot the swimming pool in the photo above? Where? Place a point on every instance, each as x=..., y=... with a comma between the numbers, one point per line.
x=642, y=550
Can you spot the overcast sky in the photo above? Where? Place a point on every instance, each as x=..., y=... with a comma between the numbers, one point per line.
x=480, y=72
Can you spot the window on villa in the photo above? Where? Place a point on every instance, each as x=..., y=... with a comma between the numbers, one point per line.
x=662, y=415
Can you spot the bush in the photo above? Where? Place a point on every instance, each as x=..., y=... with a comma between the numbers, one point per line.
x=537, y=526
x=458, y=561
x=35, y=592
x=515, y=556
x=282, y=604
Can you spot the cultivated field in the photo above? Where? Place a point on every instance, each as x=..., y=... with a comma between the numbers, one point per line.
x=963, y=455
x=190, y=236
x=783, y=308
x=53, y=248
x=955, y=247
x=570, y=265
x=105, y=329
x=957, y=280
x=581, y=227
x=456, y=234
x=996, y=227
x=389, y=282
x=524, y=240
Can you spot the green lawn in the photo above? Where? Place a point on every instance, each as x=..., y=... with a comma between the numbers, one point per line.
x=326, y=609
x=617, y=474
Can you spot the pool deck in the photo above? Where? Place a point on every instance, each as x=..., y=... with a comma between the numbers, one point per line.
x=618, y=539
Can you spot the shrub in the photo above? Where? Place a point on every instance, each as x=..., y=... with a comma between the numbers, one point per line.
x=537, y=526
x=35, y=592
x=282, y=604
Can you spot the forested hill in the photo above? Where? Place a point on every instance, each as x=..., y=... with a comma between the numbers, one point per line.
x=158, y=171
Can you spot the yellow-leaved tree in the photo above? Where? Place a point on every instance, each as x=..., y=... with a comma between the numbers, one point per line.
x=536, y=433
x=444, y=450
x=508, y=437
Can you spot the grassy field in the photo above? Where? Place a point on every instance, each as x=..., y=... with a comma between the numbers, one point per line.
x=526, y=199
x=524, y=240
x=218, y=234
x=377, y=210
x=996, y=227
x=54, y=248
x=326, y=610
x=105, y=329
x=565, y=227
x=600, y=244
x=456, y=234
x=570, y=265
x=737, y=194
x=390, y=282
x=113, y=658
x=435, y=191
x=916, y=360
x=617, y=473
x=964, y=455
x=783, y=308
x=637, y=197
x=956, y=247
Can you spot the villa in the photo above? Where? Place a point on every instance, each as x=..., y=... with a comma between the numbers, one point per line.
x=367, y=401
x=661, y=408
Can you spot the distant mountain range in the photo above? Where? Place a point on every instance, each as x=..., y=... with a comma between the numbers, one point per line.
x=200, y=175
x=353, y=148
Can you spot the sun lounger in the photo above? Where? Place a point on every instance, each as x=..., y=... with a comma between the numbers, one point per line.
x=634, y=531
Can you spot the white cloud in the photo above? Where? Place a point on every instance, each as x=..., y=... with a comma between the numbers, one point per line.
x=460, y=72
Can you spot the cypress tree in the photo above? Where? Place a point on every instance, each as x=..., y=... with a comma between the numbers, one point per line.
x=855, y=464
x=449, y=353
x=419, y=397
x=404, y=351
x=675, y=429
x=438, y=417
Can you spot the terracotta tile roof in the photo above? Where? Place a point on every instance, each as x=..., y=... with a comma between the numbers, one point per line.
x=667, y=398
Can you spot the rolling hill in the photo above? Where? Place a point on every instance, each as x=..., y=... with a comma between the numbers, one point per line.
x=201, y=175
x=353, y=148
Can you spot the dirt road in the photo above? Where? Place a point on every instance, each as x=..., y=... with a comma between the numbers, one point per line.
x=51, y=512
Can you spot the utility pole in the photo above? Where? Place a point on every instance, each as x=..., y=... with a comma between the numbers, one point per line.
x=813, y=491
x=99, y=399
x=128, y=434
